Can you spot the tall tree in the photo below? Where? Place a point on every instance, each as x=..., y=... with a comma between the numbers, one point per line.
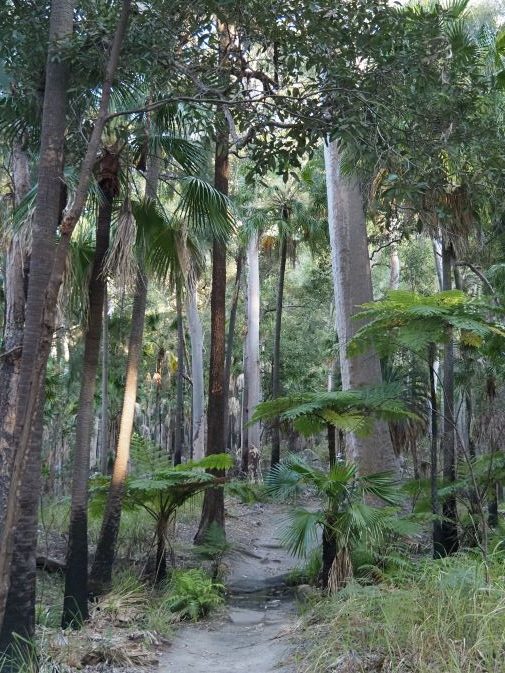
x=75, y=607
x=352, y=287
x=197, y=372
x=47, y=214
x=48, y=260
x=213, y=500
x=101, y=571
x=252, y=358
x=448, y=528
x=276, y=362
x=179, y=415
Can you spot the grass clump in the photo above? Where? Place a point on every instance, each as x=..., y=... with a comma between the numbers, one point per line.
x=443, y=616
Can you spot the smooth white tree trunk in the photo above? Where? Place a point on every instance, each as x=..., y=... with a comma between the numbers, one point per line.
x=196, y=337
x=394, y=268
x=252, y=372
x=352, y=285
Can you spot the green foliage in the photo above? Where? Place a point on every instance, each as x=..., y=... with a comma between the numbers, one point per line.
x=349, y=410
x=308, y=573
x=344, y=509
x=441, y=617
x=192, y=594
x=414, y=321
x=247, y=492
x=157, y=486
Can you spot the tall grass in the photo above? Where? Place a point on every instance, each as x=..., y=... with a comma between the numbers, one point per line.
x=441, y=617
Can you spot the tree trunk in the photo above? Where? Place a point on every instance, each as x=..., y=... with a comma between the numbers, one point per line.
x=353, y=287
x=449, y=527
x=213, y=499
x=161, y=550
x=101, y=571
x=18, y=628
x=179, y=416
x=47, y=261
x=20, y=607
x=435, y=501
x=13, y=329
x=75, y=605
x=197, y=374
x=229, y=347
x=104, y=413
x=329, y=553
x=252, y=373
x=47, y=211
x=276, y=365
x=394, y=267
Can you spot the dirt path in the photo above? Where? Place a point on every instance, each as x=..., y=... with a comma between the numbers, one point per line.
x=253, y=632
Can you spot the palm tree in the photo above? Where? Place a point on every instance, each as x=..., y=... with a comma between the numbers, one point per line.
x=158, y=244
x=344, y=518
x=47, y=266
x=47, y=214
x=101, y=571
x=75, y=608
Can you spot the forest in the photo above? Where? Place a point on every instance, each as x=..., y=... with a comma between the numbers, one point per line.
x=252, y=307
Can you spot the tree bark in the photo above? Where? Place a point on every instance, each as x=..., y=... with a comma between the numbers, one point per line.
x=48, y=261
x=18, y=628
x=435, y=500
x=13, y=328
x=75, y=605
x=449, y=527
x=276, y=365
x=197, y=374
x=104, y=413
x=252, y=373
x=353, y=287
x=179, y=416
x=101, y=571
x=213, y=499
x=229, y=347
x=394, y=268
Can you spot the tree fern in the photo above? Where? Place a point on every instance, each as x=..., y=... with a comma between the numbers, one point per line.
x=349, y=410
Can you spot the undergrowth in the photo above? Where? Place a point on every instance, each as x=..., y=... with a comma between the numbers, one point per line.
x=435, y=616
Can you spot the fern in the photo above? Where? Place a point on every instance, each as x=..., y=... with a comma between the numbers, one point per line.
x=411, y=320
x=349, y=410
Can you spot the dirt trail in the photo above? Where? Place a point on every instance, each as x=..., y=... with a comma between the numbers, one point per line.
x=253, y=633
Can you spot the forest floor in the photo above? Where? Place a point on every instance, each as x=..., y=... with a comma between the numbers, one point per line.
x=252, y=632
x=130, y=630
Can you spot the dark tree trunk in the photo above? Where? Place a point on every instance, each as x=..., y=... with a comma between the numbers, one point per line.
x=47, y=212
x=329, y=553
x=435, y=502
x=161, y=551
x=213, y=500
x=449, y=527
x=103, y=456
x=101, y=571
x=75, y=605
x=229, y=347
x=48, y=260
x=18, y=628
x=276, y=365
x=179, y=415
x=332, y=444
